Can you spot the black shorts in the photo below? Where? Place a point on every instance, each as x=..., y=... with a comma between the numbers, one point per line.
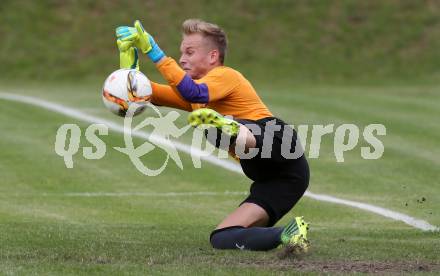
x=279, y=182
x=277, y=196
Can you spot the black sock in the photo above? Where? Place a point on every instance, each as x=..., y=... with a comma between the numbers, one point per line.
x=253, y=238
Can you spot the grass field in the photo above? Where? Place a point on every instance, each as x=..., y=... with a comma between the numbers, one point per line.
x=313, y=41
x=358, y=62
x=139, y=224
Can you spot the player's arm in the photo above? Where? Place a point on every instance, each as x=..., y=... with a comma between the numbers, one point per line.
x=163, y=95
x=166, y=95
x=210, y=88
x=139, y=38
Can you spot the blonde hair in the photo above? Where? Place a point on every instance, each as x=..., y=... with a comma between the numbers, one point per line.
x=209, y=30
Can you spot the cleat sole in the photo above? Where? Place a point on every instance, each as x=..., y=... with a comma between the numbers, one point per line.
x=209, y=117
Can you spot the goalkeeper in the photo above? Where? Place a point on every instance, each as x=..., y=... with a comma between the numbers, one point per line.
x=209, y=90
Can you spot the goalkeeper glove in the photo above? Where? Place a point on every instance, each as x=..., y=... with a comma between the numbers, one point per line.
x=128, y=55
x=141, y=40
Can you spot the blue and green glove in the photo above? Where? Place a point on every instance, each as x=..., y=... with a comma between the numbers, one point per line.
x=137, y=36
x=128, y=55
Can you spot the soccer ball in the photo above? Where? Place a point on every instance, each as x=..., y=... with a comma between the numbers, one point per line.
x=126, y=88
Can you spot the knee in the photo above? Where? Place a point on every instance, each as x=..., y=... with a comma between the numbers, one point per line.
x=215, y=239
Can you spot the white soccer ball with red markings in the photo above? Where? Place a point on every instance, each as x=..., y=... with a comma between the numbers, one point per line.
x=124, y=89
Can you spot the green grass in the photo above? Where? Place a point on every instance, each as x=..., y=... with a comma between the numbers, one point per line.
x=45, y=230
x=301, y=41
x=368, y=62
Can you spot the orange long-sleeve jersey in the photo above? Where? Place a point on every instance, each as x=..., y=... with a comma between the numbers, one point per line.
x=223, y=89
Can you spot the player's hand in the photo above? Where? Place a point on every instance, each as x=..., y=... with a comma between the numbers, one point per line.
x=135, y=35
x=141, y=40
x=128, y=56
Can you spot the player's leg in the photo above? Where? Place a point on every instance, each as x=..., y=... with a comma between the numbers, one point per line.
x=245, y=139
x=238, y=134
x=245, y=228
x=247, y=215
x=269, y=200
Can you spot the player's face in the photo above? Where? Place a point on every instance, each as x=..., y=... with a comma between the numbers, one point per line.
x=197, y=55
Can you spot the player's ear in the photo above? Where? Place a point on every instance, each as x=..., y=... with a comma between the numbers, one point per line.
x=214, y=56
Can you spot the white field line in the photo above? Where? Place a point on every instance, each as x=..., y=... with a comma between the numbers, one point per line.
x=152, y=194
x=74, y=113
